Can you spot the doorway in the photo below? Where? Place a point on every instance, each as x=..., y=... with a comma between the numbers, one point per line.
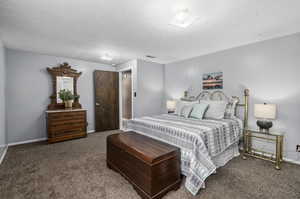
x=106, y=86
x=126, y=92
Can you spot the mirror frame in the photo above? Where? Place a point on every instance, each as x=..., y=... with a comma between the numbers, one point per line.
x=66, y=71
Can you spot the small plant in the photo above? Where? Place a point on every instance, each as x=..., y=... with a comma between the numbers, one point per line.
x=65, y=95
x=76, y=97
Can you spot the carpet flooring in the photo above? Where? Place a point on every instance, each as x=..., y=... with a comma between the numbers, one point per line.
x=77, y=170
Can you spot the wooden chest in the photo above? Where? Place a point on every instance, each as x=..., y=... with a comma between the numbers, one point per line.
x=151, y=166
x=66, y=124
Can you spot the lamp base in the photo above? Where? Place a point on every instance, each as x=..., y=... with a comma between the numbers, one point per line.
x=264, y=125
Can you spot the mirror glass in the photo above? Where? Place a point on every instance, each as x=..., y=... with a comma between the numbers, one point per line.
x=64, y=83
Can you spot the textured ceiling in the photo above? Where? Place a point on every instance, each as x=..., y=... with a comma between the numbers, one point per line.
x=129, y=29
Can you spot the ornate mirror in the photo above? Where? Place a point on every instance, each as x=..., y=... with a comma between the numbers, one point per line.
x=63, y=77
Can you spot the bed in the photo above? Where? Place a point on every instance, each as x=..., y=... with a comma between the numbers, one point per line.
x=205, y=144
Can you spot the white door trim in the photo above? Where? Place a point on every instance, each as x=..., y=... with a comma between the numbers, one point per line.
x=120, y=95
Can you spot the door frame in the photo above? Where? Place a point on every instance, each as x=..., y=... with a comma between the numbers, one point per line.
x=121, y=95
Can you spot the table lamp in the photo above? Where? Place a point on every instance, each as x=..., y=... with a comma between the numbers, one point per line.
x=265, y=113
x=171, y=106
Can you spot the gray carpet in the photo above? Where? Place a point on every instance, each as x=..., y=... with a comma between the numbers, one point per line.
x=76, y=169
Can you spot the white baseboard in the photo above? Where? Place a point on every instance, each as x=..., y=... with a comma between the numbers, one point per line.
x=291, y=161
x=27, y=141
x=36, y=140
x=3, y=154
x=91, y=131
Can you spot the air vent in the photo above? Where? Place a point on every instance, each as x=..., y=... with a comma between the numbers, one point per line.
x=150, y=56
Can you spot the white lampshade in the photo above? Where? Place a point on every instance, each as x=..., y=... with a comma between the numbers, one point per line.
x=265, y=111
x=171, y=104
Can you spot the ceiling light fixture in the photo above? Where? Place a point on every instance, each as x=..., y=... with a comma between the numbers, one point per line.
x=183, y=19
x=106, y=57
x=150, y=56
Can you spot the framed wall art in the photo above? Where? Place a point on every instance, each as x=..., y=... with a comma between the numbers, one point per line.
x=212, y=81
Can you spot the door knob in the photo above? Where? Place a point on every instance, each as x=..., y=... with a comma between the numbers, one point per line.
x=97, y=104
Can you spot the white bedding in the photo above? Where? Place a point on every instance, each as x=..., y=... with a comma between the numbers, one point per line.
x=204, y=144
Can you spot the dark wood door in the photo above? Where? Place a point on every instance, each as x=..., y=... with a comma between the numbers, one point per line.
x=106, y=100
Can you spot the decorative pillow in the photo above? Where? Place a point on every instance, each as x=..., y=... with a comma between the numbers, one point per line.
x=199, y=110
x=186, y=111
x=178, y=107
x=216, y=109
x=230, y=108
x=180, y=104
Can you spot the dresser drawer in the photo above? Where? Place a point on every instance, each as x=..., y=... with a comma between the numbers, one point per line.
x=69, y=115
x=66, y=125
x=64, y=132
x=66, y=122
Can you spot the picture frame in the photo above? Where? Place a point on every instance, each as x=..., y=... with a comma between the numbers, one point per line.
x=212, y=81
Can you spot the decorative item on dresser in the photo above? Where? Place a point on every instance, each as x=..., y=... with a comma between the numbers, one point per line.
x=66, y=124
x=63, y=77
x=67, y=97
x=65, y=118
x=151, y=166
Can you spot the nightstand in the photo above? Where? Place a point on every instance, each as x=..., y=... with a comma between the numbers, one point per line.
x=273, y=136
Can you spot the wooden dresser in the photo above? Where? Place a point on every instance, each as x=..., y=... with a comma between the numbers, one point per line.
x=66, y=124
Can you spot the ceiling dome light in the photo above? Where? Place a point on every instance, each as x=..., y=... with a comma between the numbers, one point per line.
x=150, y=56
x=106, y=57
x=183, y=19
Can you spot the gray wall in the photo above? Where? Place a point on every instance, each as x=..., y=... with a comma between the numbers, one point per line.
x=29, y=87
x=148, y=83
x=270, y=69
x=150, y=88
x=3, y=139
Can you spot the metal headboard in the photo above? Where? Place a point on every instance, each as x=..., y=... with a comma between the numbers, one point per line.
x=221, y=96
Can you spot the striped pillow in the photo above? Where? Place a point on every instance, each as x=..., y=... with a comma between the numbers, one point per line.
x=180, y=104
x=186, y=111
x=216, y=109
x=198, y=110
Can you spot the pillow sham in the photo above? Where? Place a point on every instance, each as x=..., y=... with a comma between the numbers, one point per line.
x=186, y=111
x=180, y=104
x=230, y=108
x=216, y=109
x=199, y=110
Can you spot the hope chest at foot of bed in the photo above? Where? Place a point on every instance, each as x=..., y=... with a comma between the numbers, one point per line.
x=151, y=166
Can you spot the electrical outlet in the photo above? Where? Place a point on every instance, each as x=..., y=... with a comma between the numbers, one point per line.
x=298, y=148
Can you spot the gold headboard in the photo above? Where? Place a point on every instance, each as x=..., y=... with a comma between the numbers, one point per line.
x=246, y=107
x=221, y=96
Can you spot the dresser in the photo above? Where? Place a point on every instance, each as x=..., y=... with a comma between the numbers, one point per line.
x=66, y=124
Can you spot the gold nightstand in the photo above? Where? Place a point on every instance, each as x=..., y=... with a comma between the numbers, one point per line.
x=276, y=137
